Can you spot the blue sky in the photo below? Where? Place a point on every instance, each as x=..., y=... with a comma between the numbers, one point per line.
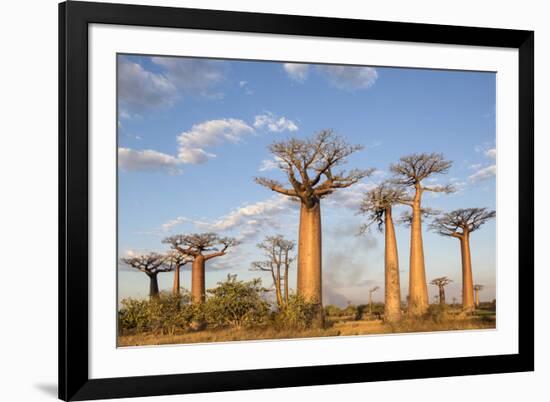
x=193, y=133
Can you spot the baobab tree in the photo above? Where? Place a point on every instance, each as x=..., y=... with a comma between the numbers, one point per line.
x=176, y=261
x=441, y=283
x=477, y=289
x=279, y=257
x=411, y=171
x=460, y=224
x=377, y=205
x=196, y=246
x=371, y=291
x=150, y=264
x=309, y=166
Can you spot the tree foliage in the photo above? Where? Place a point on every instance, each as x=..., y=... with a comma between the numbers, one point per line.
x=441, y=282
x=279, y=254
x=196, y=244
x=309, y=166
x=236, y=303
x=412, y=169
x=461, y=221
x=149, y=263
x=375, y=202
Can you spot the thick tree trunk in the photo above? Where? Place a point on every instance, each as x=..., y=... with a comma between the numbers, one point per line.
x=176, y=287
x=441, y=295
x=467, y=279
x=153, y=286
x=309, y=257
x=392, y=296
x=418, y=288
x=197, y=280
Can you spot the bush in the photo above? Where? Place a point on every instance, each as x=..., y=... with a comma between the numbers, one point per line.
x=236, y=303
x=438, y=313
x=166, y=314
x=134, y=315
x=297, y=314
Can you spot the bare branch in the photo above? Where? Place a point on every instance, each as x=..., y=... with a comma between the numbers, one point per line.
x=312, y=159
x=412, y=169
x=149, y=263
x=375, y=202
x=459, y=222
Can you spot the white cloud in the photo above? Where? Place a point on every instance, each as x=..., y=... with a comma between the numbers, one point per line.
x=167, y=226
x=250, y=219
x=274, y=123
x=147, y=160
x=139, y=89
x=483, y=174
x=207, y=134
x=242, y=83
x=269, y=164
x=298, y=72
x=349, y=78
x=487, y=171
x=190, y=74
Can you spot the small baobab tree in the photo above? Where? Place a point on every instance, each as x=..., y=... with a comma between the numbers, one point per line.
x=410, y=171
x=460, y=224
x=176, y=260
x=441, y=283
x=377, y=205
x=200, y=247
x=279, y=257
x=309, y=166
x=477, y=289
x=150, y=264
x=371, y=291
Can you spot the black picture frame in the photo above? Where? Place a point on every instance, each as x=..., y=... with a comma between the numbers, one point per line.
x=74, y=18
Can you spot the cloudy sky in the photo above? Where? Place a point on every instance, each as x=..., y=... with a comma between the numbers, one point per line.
x=193, y=133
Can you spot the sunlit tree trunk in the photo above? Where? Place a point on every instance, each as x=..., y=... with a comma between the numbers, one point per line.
x=197, y=280
x=467, y=279
x=441, y=295
x=392, y=297
x=286, y=284
x=477, y=297
x=153, y=286
x=176, y=286
x=277, y=282
x=418, y=288
x=309, y=256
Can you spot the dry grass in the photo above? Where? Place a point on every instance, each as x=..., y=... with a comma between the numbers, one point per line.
x=337, y=328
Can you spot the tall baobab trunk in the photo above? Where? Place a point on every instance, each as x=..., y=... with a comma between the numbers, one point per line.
x=442, y=295
x=176, y=287
x=418, y=289
x=467, y=279
x=392, y=296
x=197, y=279
x=153, y=286
x=309, y=256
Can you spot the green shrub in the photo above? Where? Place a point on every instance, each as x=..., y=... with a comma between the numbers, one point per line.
x=438, y=313
x=164, y=314
x=297, y=314
x=236, y=303
x=134, y=315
